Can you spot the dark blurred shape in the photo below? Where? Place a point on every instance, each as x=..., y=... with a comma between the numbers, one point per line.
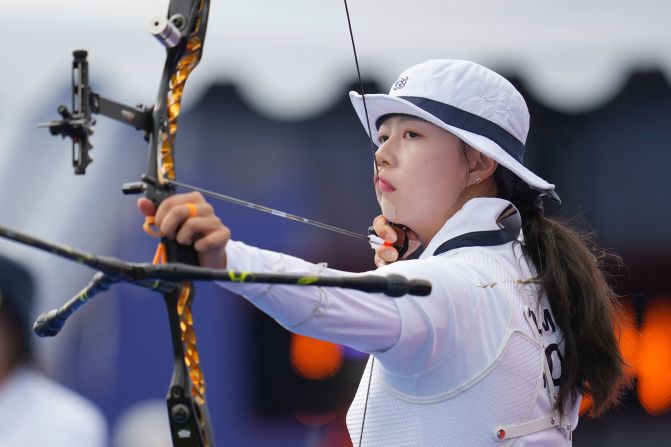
x=281, y=390
x=610, y=164
x=17, y=290
x=34, y=410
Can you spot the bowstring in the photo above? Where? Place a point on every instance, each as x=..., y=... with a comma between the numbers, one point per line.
x=363, y=94
x=373, y=150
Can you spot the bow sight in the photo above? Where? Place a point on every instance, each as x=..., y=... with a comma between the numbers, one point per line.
x=78, y=123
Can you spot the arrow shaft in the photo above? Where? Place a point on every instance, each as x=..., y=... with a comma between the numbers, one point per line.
x=268, y=210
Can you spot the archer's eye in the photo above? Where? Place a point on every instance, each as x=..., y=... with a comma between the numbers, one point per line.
x=410, y=134
x=382, y=138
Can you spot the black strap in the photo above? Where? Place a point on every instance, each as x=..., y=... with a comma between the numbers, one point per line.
x=476, y=239
x=509, y=223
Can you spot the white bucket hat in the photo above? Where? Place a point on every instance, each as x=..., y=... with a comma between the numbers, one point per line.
x=472, y=102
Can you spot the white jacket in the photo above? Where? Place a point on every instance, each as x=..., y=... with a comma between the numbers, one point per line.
x=454, y=368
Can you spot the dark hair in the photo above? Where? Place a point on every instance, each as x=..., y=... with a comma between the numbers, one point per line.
x=16, y=297
x=18, y=338
x=571, y=271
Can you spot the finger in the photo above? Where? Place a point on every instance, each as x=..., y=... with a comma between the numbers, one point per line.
x=146, y=206
x=179, y=214
x=383, y=230
x=175, y=201
x=214, y=240
x=387, y=254
x=379, y=221
x=379, y=262
x=212, y=248
x=197, y=226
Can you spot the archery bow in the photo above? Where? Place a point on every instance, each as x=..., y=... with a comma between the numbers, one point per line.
x=182, y=32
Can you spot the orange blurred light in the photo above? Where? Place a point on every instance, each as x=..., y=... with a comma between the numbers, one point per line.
x=626, y=333
x=315, y=359
x=586, y=404
x=654, y=358
x=628, y=336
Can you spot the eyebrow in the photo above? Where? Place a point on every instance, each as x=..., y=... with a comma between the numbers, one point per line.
x=411, y=118
x=402, y=116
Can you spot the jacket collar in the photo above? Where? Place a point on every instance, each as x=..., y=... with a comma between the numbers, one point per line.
x=481, y=222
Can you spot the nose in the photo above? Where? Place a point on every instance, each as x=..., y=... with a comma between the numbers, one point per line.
x=384, y=155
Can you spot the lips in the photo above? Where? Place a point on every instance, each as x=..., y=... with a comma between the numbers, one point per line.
x=383, y=184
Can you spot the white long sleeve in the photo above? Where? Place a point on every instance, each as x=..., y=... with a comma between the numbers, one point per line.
x=368, y=322
x=410, y=335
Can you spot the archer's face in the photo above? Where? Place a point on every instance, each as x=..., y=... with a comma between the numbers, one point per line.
x=423, y=172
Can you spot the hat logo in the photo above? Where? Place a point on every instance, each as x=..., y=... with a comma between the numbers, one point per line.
x=400, y=83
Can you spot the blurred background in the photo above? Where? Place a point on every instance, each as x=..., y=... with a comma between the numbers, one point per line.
x=267, y=119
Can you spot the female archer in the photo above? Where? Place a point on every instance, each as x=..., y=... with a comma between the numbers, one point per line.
x=519, y=324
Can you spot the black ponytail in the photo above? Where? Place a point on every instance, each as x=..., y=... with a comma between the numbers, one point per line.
x=571, y=270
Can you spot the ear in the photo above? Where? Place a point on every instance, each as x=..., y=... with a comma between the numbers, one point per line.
x=481, y=166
